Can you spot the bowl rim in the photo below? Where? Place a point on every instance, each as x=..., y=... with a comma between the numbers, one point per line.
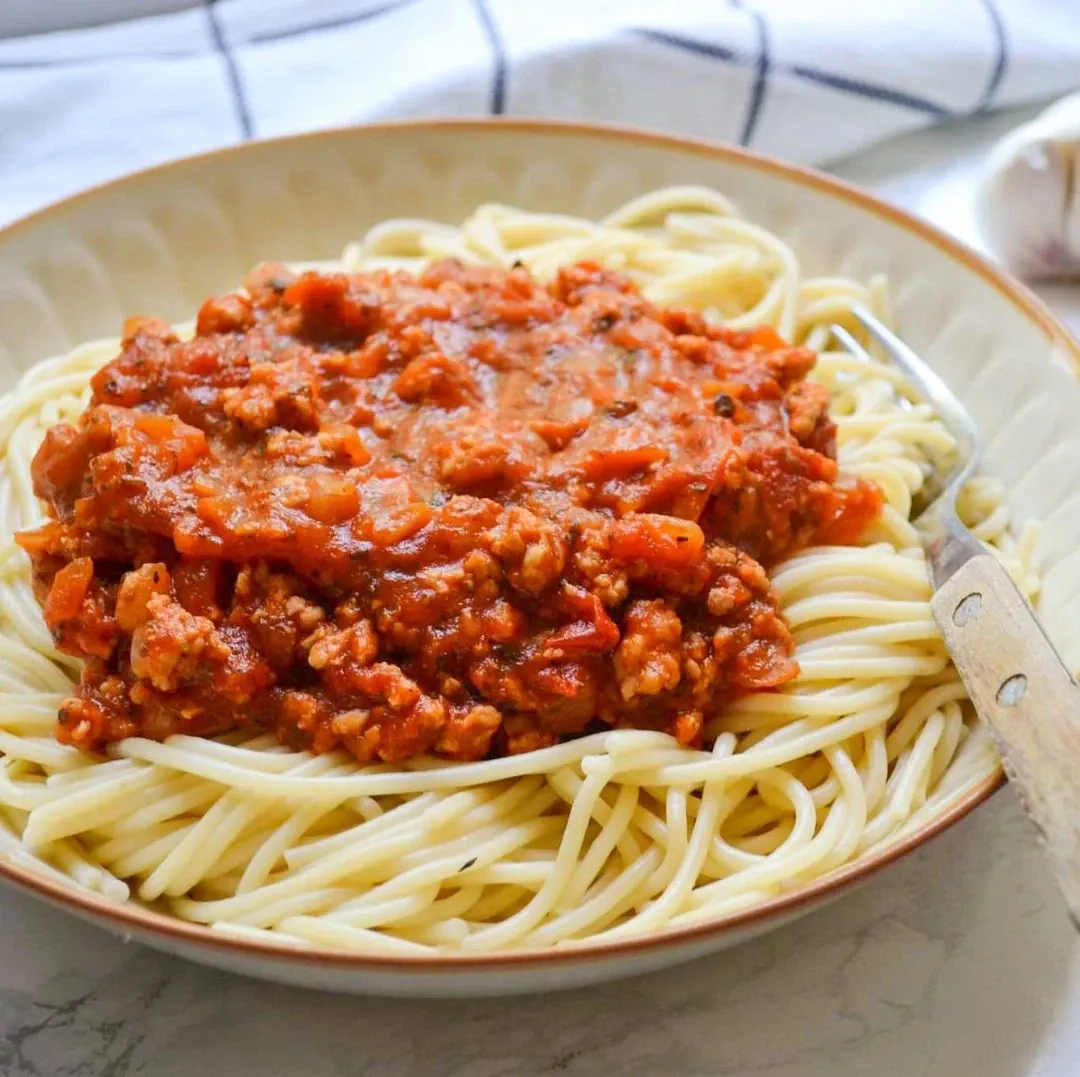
x=130, y=917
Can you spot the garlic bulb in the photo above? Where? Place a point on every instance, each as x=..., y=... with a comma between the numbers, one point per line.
x=1028, y=208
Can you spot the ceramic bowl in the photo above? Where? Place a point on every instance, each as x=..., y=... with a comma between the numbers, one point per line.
x=160, y=241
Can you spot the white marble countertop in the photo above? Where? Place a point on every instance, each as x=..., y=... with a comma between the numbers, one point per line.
x=958, y=961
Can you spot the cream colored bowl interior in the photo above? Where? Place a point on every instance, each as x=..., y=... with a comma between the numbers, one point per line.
x=160, y=242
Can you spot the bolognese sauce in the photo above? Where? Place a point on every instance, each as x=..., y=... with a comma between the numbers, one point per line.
x=461, y=513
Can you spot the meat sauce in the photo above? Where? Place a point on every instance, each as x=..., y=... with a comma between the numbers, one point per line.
x=463, y=513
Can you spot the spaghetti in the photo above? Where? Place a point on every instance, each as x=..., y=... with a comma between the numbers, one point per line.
x=605, y=836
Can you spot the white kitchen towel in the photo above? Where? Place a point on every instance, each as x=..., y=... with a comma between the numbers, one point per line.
x=90, y=89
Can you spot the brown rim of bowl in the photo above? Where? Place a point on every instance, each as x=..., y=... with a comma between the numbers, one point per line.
x=133, y=916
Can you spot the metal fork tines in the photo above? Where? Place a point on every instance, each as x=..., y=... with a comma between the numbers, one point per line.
x=949, y=543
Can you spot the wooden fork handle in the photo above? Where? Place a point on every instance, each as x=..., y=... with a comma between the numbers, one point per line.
x=1021, y=689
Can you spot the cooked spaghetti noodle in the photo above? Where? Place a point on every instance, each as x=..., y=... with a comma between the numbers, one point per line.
x=605, y=836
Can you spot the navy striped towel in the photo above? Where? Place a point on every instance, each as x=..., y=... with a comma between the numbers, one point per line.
x=90, y=89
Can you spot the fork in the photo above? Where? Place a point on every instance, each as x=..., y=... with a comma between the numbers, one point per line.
x=1014, y=676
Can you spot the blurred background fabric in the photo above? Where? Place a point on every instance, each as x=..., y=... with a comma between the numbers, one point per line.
x=91, y=89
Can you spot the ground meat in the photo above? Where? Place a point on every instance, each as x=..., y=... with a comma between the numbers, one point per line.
x=135, y=591
x=172, y=646
x=530, y=550
x=462, y=513
x=648, y=657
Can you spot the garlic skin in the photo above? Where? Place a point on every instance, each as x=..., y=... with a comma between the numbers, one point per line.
x=1027, y=204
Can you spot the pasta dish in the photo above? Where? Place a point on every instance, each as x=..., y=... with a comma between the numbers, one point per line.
x=530, y=582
